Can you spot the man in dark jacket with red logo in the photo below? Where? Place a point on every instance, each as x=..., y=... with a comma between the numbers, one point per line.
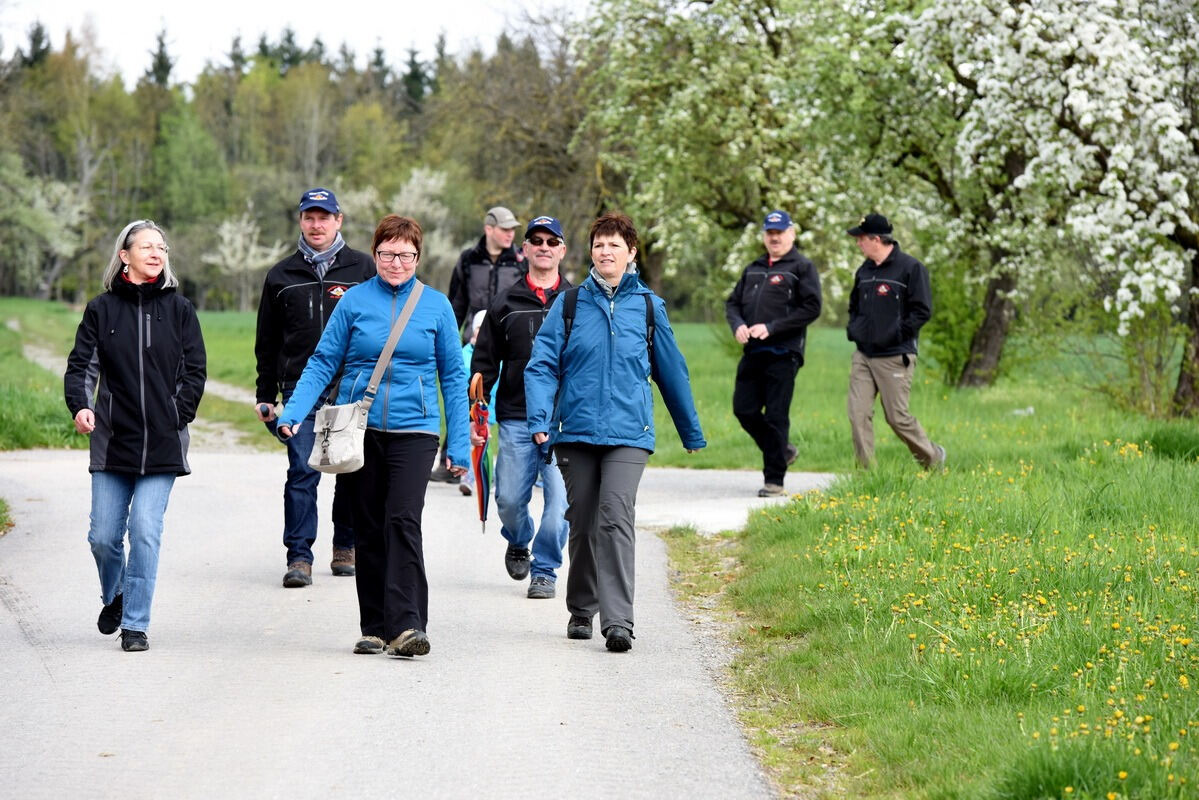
x=890, y=302
x=769, y=311
x=298, y=297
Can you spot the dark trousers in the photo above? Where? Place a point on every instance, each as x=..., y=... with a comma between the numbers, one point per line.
x=601, y=492
x=393, y=592
x=762, y=404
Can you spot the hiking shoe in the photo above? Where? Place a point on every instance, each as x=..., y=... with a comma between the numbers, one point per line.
x=369, y=646
x=299, y=574
x=792, y=453
x=516, y=561
x=134, y=641
x=578, y=627
x=620, y=639
x=110, y=616
x=343, y=561
x=462, y=487
x=409, y=643
x=541, y=588
x=939, y=461
x=772, y=490
x=442, y=475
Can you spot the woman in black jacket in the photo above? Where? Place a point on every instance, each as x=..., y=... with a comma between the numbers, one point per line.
x=133, y=382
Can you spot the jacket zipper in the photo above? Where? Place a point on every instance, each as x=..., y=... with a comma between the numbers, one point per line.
x=141, y=380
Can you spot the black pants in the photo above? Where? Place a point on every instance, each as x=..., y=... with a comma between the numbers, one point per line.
x=393, y=592
x=762, y=404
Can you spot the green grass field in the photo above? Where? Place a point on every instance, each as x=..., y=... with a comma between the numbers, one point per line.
x=1019, y=625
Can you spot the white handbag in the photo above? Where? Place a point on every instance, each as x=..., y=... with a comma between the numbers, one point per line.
x=341, y=430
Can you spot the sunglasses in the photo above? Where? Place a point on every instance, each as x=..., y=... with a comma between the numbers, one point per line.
x=537, y=241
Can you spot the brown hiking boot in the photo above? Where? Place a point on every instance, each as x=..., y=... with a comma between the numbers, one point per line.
x=299, y=574
x=343, y=561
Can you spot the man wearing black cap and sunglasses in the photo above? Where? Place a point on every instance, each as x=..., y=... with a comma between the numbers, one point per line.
x=769, y=311
x=890, y=302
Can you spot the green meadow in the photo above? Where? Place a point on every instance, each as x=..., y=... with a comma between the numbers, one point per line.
x=1018, y=625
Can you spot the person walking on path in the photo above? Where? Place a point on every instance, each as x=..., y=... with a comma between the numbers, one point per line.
x=298, y=296
x=402, y=429
x=587, y=394
x=501, y=355
x=890, y=302
x=133, y=382
x=769, y=311
x=481, y=274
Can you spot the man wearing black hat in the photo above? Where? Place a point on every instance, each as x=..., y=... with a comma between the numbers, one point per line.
x=769, y=311
x=501, y=353
x=890, y=302
x=482, y=273
x=298, y=296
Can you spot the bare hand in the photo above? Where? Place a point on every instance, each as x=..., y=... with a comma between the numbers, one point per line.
x=285, y=431
x=540, y=438
x=454, y=469
x=758, y=331
x=476, y=440
x=270, y=411
x=741, y=334
x=85, y=421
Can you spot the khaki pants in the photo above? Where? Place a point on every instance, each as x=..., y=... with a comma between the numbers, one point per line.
x=889, y=378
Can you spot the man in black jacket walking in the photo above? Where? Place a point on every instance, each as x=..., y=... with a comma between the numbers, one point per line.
x=501, y=353
x=890, y=302
x=769, y=311
x=298, y=297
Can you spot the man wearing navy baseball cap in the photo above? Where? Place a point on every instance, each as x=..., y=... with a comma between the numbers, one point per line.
x=769, y=311
x=298, y=296
x=501, y=353
x=890, y=302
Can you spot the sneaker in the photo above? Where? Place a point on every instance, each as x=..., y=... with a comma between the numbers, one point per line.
x=299, y=574
x=620, y=639
x=541, y=588
x=409, y=643
x=462, y=487
x=369, y=646
x=772, y=490
x=110, y=616
x=343, y=561
x=134, y=641
x=939, y=461
x=578, y=627
x=442, y=475
x=516, y=561
x=792, y=453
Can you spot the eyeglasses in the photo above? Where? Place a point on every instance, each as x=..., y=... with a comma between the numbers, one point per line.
x=537, y=241
x=148, y=247
x=386, y=257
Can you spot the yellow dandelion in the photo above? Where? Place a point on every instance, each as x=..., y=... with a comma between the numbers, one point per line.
x=1122, y=774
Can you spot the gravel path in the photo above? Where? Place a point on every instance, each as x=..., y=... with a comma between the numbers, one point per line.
x=250, y=690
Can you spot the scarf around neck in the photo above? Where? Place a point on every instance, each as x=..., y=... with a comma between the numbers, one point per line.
x=321, y=261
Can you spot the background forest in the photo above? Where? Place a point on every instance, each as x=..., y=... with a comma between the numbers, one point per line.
x=1042, y=159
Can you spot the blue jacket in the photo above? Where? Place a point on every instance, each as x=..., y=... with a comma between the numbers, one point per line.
x=597, y=390
x=428, y=351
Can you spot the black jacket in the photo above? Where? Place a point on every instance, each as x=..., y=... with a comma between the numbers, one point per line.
x=889, y=304
x=785, y=296
x=139, y=364
x=507, y=337
x=476, y=281
x=292, y=314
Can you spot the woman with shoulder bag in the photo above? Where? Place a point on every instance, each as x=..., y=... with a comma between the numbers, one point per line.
x=402, y=430
x=133, y=382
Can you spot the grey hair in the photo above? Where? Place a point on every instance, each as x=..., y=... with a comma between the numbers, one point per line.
x=886, y=238
x=124, y=240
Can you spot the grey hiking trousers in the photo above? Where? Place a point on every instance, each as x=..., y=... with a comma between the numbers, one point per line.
x=601, y=492
x=889, y=378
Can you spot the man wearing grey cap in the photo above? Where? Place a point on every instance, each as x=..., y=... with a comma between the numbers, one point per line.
x=890, y=302
x=769, y=311
x=482, y=273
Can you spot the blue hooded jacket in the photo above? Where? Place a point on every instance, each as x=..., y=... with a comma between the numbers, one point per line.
x=428, y=351
x=596, y=390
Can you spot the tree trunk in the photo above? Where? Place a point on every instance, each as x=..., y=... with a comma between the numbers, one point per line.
x=1186, y=395
x=46, y=285
x=986, y=348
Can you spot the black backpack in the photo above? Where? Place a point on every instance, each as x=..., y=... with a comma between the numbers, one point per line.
x=570, y=300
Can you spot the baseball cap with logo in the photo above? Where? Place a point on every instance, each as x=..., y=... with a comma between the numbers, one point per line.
x=548, y=224
x=319, y=198
x=871, y=225
x=776, y=221
x=500, y=217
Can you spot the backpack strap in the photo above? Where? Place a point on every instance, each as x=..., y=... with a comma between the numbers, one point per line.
x=570, y=301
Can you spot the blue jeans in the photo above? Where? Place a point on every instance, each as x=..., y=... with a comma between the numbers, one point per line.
x=517, y=466
x=124, y=501
x=299, y=495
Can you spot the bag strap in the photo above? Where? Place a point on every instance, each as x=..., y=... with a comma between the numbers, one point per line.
x=570, y=300
x=397, y=330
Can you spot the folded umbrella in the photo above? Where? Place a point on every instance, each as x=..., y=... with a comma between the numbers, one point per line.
x=480, y=463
